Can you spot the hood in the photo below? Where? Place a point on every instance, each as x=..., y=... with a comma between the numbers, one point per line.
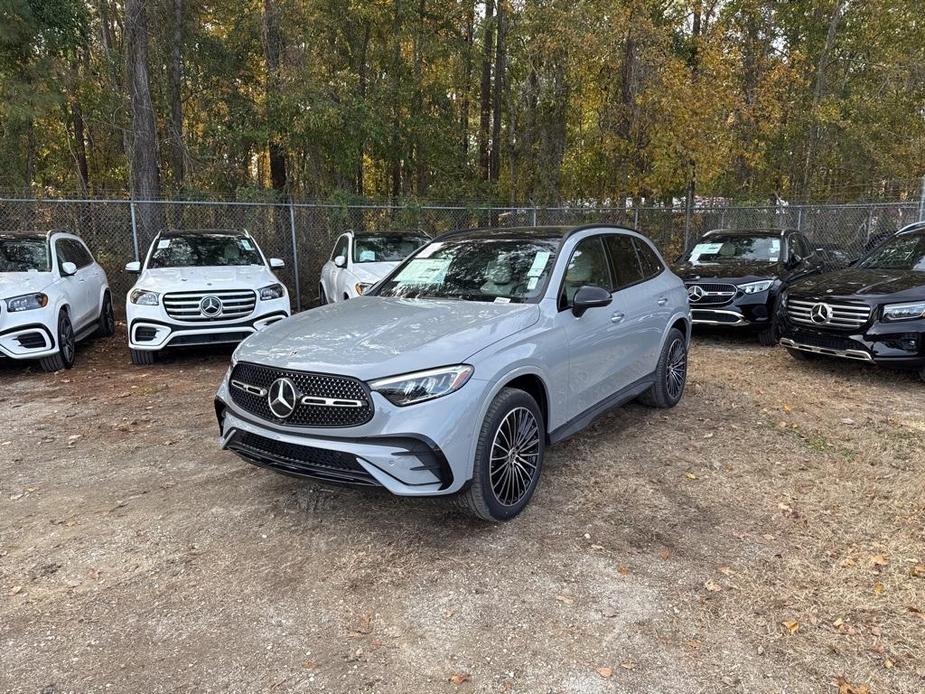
x=16, y=283
x=734, y=272
x=177, y=279
x=371, y=337
x=372, y=272
x=863, y=283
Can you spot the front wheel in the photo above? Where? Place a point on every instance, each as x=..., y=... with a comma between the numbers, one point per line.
x=508, y=458
x=800, y=355
x=67, y=347
x=322, y=296
x=106, y=326
x=922, y=374
x=768, y=336
x=670, y=374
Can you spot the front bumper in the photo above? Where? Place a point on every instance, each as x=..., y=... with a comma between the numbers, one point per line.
x=887, y=344
x=24, y=335
x=746, y=310
x=151, y=329
x=419, y=450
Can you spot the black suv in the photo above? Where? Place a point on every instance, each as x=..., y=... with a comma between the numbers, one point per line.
x=734, y=277
x=873, y=311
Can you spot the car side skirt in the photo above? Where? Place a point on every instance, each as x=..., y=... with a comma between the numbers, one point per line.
x=621, y=397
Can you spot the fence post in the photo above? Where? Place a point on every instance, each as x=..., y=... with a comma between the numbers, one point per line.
x=131, y=207
x=800, y=218
x=636, y=217
x=533, y=216
x=922, y=202
x=295, y=258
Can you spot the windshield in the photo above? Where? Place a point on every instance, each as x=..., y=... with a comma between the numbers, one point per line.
x=23, y=254
x=736, y=249
x=900, y=253
x=385, y=248
x=204, y=250
x=499, y=270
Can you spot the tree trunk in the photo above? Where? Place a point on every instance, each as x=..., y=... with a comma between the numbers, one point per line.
x=272, y=47
x=467, y=79
x=80, y=140
x=359, y=179
x=145, y=177
x=494, y=163
x=174, y=97
x=485, y=91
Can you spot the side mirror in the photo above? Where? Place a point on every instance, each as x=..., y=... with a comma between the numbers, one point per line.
x=134, y=267
x=590, y=297
x=277, y=263
x=794, y=260
x=340, y=261
x=68, y=269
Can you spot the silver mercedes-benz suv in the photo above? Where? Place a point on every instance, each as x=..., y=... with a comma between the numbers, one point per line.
x=452, y=375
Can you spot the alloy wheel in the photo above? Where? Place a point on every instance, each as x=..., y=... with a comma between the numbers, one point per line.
x=515, y=452
x=66, y=340
x=676, y=373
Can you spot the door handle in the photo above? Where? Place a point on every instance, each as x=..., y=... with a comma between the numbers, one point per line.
x=662, y=301
x=616, y=317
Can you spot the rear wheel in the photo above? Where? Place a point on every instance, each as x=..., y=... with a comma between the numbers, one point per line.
x=143, y=357
x=67, y=346
x=670, y=374
x=800, y=355
x=107, y=322
x=508, y=458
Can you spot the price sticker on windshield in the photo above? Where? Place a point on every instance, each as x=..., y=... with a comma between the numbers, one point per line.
x=424, y=271
x=539, y=264
x=162, y=244
x=707, y=248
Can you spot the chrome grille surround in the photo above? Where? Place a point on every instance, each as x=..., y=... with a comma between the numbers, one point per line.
x=828, y=314
x=187, y=306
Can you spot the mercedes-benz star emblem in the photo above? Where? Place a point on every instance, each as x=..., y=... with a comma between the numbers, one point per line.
x=210, y=306
x=820, y=313
x=282, y=398
x=695, y=292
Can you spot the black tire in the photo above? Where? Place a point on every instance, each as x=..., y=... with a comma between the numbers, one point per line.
x=800, y=355
x=670, y=374
x=922, y=374
x=143, y=357
x=106, y=326
x=322, y=297
x=514, y=482
x=67, y=347
x=768, y=336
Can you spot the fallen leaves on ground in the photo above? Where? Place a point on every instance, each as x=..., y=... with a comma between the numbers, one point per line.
x=792, y=625
x=845, y=687
x=458, y=678
x=605, y=672
x=712, y=586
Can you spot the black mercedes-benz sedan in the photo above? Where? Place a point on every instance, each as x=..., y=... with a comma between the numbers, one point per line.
x=873, y=311
x=734, y=277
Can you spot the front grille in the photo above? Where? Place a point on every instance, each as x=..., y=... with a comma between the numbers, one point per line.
x=842, y=315
x=188, y=306
x=714, y=294
x=209, y=339
x=306, y=384
x=306, y=461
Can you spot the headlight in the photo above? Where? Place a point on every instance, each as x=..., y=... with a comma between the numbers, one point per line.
x=756, y=287
x=904, y=311
x=361, y=287
x=26, y=302
x=422, y=385
x=143, y=297
x=274, y=291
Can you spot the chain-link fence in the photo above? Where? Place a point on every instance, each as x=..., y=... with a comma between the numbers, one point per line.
x=118, y=231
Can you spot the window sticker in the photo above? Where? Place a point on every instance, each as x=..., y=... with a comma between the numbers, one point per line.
x=532, y=282
x=775, y=250
x=539, y=264
x=502, y=300
x=162, y=244
x=707, y=249
x=424, y=271
x=367, y=256
x=247, y=245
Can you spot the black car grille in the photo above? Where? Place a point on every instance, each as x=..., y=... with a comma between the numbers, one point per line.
x=34, y=340
x=346, y=391
x=838, y=314
x=304, y=461
x=714, y=294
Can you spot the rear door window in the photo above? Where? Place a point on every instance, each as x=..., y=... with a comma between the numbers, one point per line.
x=648, y=259
x=624, y=261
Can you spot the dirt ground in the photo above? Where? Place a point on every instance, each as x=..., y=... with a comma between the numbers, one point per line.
x=765, y=536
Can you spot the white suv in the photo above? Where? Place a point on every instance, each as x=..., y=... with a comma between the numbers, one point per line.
x=359, y=261
x=201, y=287
x=53, y=294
